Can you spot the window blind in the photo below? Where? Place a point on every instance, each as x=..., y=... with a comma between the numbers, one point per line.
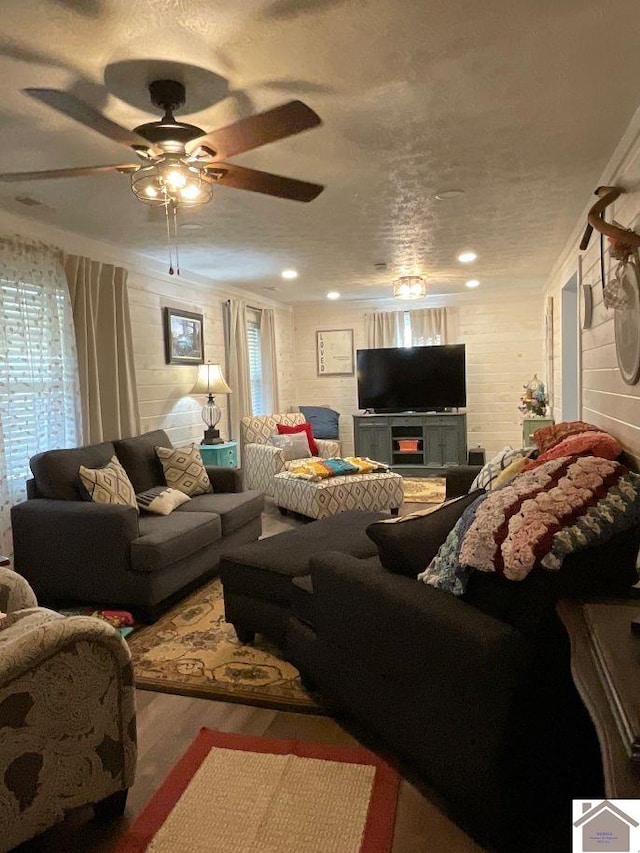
x=255, y=361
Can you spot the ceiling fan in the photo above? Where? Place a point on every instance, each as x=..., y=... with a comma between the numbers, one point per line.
x=178, y=163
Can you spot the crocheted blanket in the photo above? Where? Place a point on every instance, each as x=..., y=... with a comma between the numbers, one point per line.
x=321, y=469
x=566, y=505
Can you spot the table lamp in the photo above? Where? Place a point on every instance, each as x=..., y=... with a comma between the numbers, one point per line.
x=210, y=381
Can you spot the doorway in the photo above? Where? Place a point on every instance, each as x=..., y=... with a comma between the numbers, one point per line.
x=570, y=351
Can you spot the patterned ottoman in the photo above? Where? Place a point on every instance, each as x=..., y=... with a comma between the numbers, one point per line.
x=327, y=497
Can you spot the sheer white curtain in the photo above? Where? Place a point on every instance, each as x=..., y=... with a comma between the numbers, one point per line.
x=39, y=387
x=384, y=329
x=238, y=378
x=269, y=361
x=432, y=326
x=100, y=304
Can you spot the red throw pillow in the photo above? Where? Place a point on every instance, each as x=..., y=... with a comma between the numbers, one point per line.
x=283, y=429
x=547, y=437
x=583, y=444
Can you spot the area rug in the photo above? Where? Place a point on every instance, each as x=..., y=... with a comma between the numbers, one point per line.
x=192, y=651
x=429, y=490
x=233, y=793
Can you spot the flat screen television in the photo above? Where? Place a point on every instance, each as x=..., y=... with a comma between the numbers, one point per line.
x=412, y=379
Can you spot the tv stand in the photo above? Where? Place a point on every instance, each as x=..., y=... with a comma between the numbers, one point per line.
x=417, y=444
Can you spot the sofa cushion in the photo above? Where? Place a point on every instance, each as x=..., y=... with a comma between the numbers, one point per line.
x=108, y=485
x=56, y=471
x=283, y=429
x=139, y=459
x=324, y=421
x=161, y=500
x=164, y=540
x=184, y=470
x=234, y=508
x=407, y=544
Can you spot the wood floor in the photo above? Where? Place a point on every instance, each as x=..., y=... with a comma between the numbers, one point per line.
x=167, y=724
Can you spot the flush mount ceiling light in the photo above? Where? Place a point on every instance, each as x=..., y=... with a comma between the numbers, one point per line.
x=409, y=287
x=333, y=294
x=467, y=257
x=290, y=274
x=473, y=282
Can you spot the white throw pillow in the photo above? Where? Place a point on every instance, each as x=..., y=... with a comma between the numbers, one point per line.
x=161, y=500
x=293, y=445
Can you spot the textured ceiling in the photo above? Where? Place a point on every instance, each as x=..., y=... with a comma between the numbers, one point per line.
x=501, y=99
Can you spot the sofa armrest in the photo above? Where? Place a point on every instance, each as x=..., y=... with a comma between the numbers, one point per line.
x=459, y=478
x=224, y=479
x=15, y=592
x=377, y=615
x=329, y=448
x=54, y=540
x=84, y=668
x=260, y=464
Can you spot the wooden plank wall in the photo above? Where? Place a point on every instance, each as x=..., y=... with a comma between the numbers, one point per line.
x=606, y=399
x=503, y=336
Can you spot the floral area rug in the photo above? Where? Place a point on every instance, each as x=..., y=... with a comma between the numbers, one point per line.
x=427, y=490
x=192, y=651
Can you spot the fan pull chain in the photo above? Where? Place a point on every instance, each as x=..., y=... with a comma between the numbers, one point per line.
x=166, y=214
x=175, y=234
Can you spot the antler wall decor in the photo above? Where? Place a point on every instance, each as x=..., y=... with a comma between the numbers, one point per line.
x=623, y=240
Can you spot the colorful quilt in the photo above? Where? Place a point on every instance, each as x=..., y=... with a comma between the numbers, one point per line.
x=321, y=469
x=565, y=505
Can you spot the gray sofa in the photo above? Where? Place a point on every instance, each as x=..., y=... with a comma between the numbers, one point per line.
x=74, y=550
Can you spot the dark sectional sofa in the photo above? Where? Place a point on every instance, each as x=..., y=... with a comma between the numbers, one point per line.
x=473, y=695
x=74, y=550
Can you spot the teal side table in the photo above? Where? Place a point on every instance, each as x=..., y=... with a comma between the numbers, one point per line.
x=225, y=455
x=530, y=425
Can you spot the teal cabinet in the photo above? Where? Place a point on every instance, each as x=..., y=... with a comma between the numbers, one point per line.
x=224, y=455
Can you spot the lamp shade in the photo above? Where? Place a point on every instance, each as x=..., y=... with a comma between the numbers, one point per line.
x=210, y=380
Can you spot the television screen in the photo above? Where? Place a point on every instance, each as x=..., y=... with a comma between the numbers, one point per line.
x=412, y=379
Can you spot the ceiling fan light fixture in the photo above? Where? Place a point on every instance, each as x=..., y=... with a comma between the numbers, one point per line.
x=181, y=185
x=409, y=287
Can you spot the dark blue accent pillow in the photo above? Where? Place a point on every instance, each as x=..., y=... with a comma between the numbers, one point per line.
x=324, y=422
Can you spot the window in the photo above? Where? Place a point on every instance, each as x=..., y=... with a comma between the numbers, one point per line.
x=408, y=339
x=39, y=390
x=254, y=343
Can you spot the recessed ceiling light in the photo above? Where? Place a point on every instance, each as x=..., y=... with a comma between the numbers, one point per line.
x=289, y=273
x=467, y=257
x=333, y=294
x=447, y=195
x=190, y=226
x=473, y=282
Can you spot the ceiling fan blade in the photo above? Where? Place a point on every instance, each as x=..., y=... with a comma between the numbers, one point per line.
x=69, y=105
x=80, y=172
x=264, y=182
x=260, y=129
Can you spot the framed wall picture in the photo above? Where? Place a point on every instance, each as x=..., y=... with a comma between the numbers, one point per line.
x=183, y=337
x=335, y=352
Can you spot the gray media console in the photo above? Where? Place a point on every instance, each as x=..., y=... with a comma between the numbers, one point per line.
x=417, y=444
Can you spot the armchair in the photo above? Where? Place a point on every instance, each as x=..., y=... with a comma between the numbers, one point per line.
x=67, y=715
x=260, y=461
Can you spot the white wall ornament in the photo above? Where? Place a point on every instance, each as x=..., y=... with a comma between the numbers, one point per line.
x=627, y=325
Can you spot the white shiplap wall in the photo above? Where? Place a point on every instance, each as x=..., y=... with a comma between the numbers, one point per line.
x=606, y=399
x=503, y=334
